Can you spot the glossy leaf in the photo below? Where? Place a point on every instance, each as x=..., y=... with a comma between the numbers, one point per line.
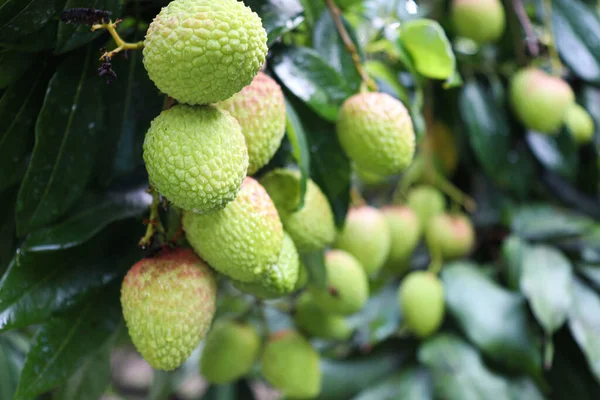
x=43, y=39
x=409, y=384
x=514, y=250
x=278, y=16
x=66, y=135
x=544, y=222
x=297, y=137
x=11, y=363
x=7, y=228
x=315, y=267
x=21, y=17
x=556, y=153
x=386, y=77
x=12, y=66
x=492, y=318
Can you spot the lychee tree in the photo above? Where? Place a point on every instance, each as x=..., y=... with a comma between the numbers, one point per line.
x=357, y=199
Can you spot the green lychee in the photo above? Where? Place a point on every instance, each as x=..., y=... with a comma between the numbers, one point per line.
x=280, y=278
x=366, y=236
x=196, y=157
x=168, y=303
x=260, y=110
x=579, y=123
x=426, y=202
x=312, y=227
x=242, y=240
x=421, y=299
x=289, y=363
x=483, y=21
x=230, y=350
x=347, y=288
x=376, y=132
x=204, y=51
x=539, y=100
x=315, y=322
x=450, y=236
x=405, y=232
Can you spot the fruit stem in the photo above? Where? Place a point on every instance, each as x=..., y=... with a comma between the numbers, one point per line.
x=450, y=190
x=121, y=44
x=154, y=223
x=435, y=266
x=349, y=44
x=555, y=64
x=530, y=38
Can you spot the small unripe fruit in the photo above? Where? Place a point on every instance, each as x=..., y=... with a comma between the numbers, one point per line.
x=347, y=288
x=405, y=232
x=280, y=278
x=242, y=240
x=315, y=322
x=376, y=132
x=366, y=236
x=482, y=21
x=421, y=299
x=312, y=227
x=196, y=157
x=450, y=236
x=260, y=110
x=168, y=303
x=426, y=202
x=539, y=100
x=230, y=350
x=579, y=123
x=201, y=52
x=290, y=364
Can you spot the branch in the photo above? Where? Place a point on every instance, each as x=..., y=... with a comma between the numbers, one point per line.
x=530, y=38
x=555, y=63
x=153, y=224
x=121, y=44
x=336, y=15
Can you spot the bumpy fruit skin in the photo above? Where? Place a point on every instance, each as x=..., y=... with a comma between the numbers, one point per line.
x=347, y=288
x=483, y=21
x=168, y=303
x=366, y=236
x=312, y=227
x=230, y=350
x=242, y=240
x=450, y=235
x=196, y=157
x=426, y=202
x=315, y=322
x=280, y=278
x=580, y=124
x=204, y=51
x=405, y=232
x=421, y=298
x=376, y=132
x=290, y=364
x=539, y=100
x=260, y=110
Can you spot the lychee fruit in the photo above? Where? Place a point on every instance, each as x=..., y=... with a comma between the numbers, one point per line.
x=579, y=123
x=482, y=21
x=427, y=202
x=311, y=319
x=405, y=232
x=450, y=236
x=421, y=299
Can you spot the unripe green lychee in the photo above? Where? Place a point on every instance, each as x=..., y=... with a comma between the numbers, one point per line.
x=230, y=350
x=312, y=227
x=426, y=202
x=204, y=51
x=347, y=288
x=242, y=240
x=196, y=157
x=280, y=278
x=290, y=364
x=366, y=236
x=315, y=322
x=405, y=232
x=450, y=236
x=168, y=303
x=539, y=100
x=421, y=299
x=376, y=132
x=483, y=21
x=260, y=110
x=579, y=123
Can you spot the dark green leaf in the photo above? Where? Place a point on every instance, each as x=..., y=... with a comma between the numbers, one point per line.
x=11, y=363
x=44, y=39
x=22, y=17
x=546, y=281
x=312, y=10
x=66, y=138
x=278, y=16
x=544, y=222
x=297, y=137
x=7, y=228
x=387, y=77
x=230, y=391
x=310, y=79
x=524, y=388
x=591, y=273
x=513, y=250
x=12, y=66
x=315, y=267
x=493, y=318
x=409, y=384
x=162, y=385
x=556, y=153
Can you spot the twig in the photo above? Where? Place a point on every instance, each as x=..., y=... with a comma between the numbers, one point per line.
x=530, y=38
x=457, y=195
x=153, y=224
x=121, y=44
x=555, y=63
x=336, y=15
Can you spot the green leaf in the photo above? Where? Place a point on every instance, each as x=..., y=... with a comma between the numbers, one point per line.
x=66, y=138
x=44, y=39
x=492, y=318
x=297, y=137
x=278, y=16
x=591, y=273
x=11, y=363
x=310, y=79
x=544, y=222
x=315, y=267
x=72, y=36
x=584, y=323
x=576, y=27
x=22, y=17
x=162, y=385
x=524, y=388
x=12, y=66
x=409, y=384
x=7, y=228
x=387, y=78
x=230, y=391
x=62, y=345
x=513, y=250
x=429, y=48
x=546, y=281
x=556, y=153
